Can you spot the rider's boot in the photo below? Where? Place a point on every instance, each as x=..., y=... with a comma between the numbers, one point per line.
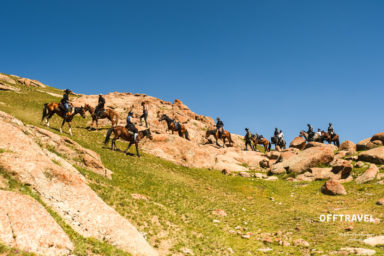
x=135, y=136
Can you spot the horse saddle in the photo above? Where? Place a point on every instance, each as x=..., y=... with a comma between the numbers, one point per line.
x=177, y=125
x=70, y=107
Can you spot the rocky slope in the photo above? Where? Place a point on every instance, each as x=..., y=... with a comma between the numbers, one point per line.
x=50, y=173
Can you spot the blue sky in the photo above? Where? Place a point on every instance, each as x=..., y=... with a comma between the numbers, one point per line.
x=256, y=64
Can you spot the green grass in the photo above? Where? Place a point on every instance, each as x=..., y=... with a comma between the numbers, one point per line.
x=178, y=212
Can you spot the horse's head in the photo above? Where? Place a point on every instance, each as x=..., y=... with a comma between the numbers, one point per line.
x=148, y=134
x=163, y=117
x=302, y=133
x=81, y=111
x=87, y=107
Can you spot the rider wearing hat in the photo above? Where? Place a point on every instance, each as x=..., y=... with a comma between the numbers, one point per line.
x=248, y=139
x=130, y=126
x=100, y=105
x=331, y=131
x=220, y=127
x=65, y=101
x=310, y=132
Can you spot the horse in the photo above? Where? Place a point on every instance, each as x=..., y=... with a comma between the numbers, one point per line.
x=122, y=132
x=224, y=136
x=282, y=144
x=108, y=113
x=316, y=137
x=183, y=132
x=327, y=137
x=50, y=109
x=262, y=141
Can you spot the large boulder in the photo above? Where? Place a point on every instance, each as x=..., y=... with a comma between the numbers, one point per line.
x=368, y=144
x=308, y=158
x=7, y=79
x=298, y=143
x=374, y=241
x=333, y=187
x=342, y=169
x=368, y=175
x=375, y=156
x=378, y=136
x=348, y=146
x=27, y=225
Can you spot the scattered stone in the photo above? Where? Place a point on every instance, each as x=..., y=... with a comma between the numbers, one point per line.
x=187, y=251
x=244, y=174
x=272, y=178
x=380, y=201
x=360, y=164
x=342, y=169
x=333, y=187
x=374, y=241
x=226, y=172
x=264, y=249
x=139, y=197
x=368, y=175
x=378, y=136
x=380, y=176
x=358, y=251
x=7, y=79
x=246, y=236
x=301, y=242
x=219, y=212
x=230, y=250
x=264, y=164
x=349, y=228
x=8, y=88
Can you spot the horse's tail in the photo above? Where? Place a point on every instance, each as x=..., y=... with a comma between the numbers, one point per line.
x=187, y=134
x=44, y=111
x=108, y=135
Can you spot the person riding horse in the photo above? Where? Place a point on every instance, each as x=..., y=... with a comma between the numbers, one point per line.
x=310, y=132
x=248, y=139
x=280, y=137
x=130, y=126
x=64, y=103
x=331, y=130
x=100, y=106
x=220, y=127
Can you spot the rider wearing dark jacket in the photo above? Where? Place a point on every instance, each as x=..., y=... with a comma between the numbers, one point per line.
x=331, y=131
x=65, y=100
x=310, y=132
x=220, y=127
x=100, y=105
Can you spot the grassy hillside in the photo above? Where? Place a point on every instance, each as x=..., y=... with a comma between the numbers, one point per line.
x=178, y=213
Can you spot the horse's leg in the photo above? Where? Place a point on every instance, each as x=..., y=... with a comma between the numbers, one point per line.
x=137, y=148
x=223, y=142
x=70, y=130
x=130, y=143
x=62, y=124
x=48, y=117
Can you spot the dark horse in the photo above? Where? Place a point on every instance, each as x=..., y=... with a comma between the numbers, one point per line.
x=122, y=132
x=172, y=125
x=53, y=108
x=281, y=145
x=262, y=141
x=327, y=137
x=224, y=136
x=108, y=113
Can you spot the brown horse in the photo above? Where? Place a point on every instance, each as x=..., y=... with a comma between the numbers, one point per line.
x=122, y=132
x=53, y=108
x=224, y=136
x=175, y=126
x=327, y=137
x=257, y=140
x=108, y=113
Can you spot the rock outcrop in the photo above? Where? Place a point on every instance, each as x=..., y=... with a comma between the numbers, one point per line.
x=298, y=143
x=64, y=189
x=348, y=146
x=26, y=225
x=375, y=155
x=312, y=156
x=368, y=175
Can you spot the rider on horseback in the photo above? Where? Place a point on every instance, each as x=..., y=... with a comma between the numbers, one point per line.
x=131, y=126
x=220, y=127
x=100, y=106
x=248, y=139
x=331, y=131
x=310, y=132
x=65, y=101
x=280, y=137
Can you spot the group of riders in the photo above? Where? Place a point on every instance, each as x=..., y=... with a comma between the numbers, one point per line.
x=250, y=139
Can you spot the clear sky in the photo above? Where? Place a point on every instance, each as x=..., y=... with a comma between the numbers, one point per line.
x=256, y=64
